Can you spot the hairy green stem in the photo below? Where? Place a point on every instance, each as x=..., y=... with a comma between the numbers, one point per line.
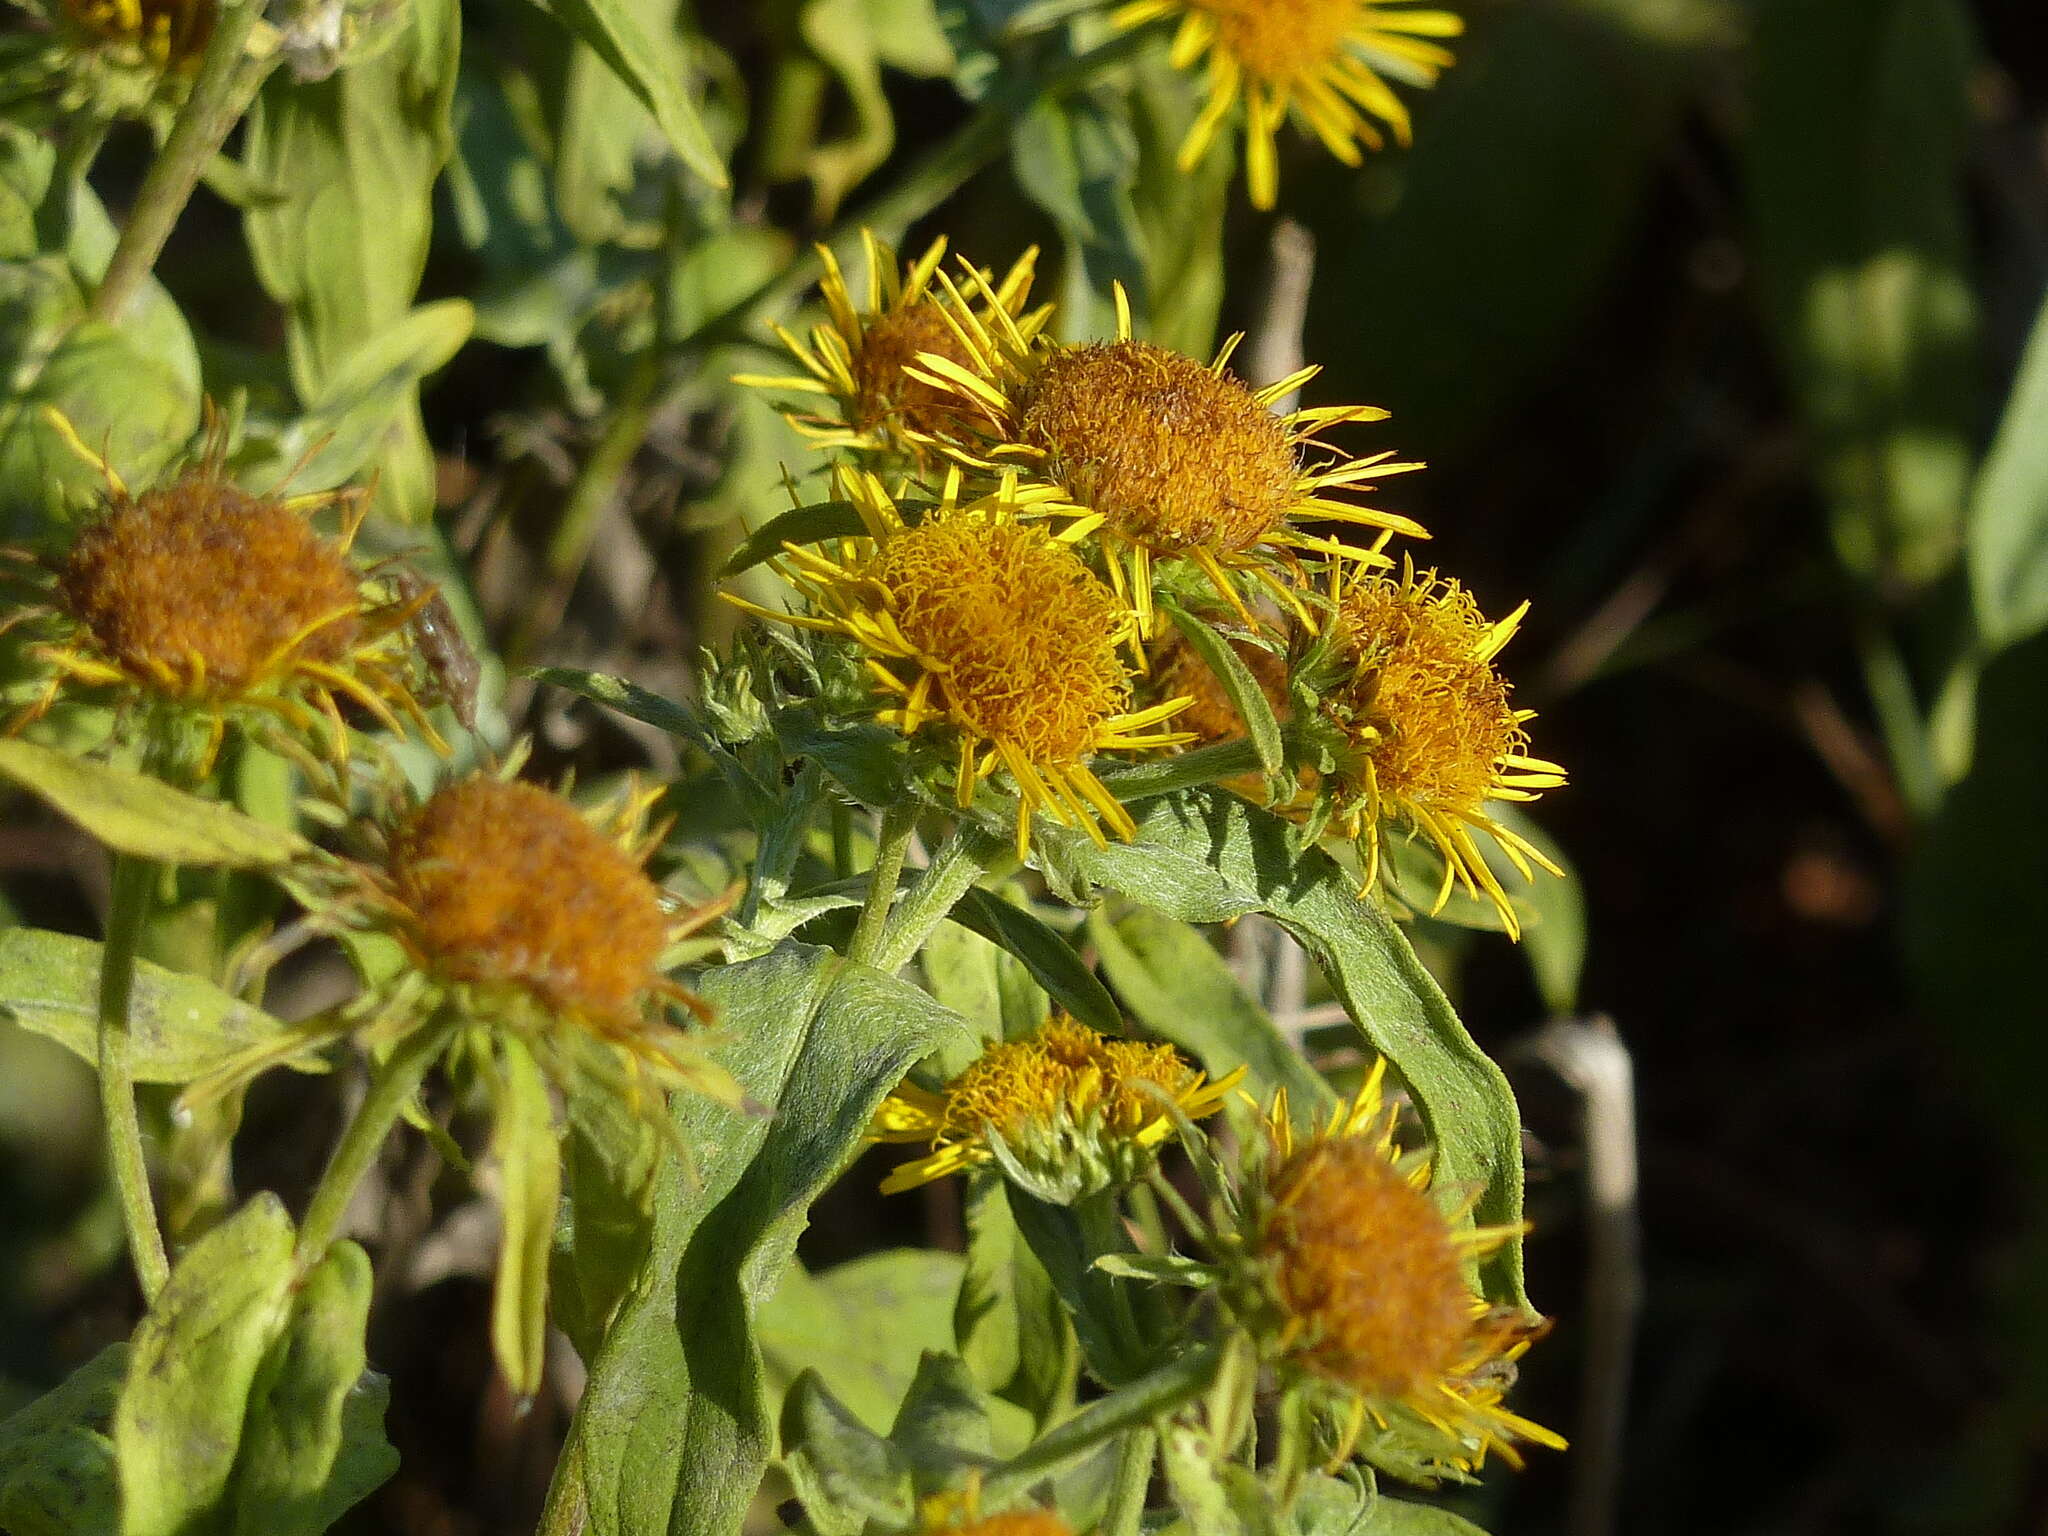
x=1125, y=1515
x=962, y=860
x=133, y=882
x=890, y=846
x=390, y=1091
x=227, y=82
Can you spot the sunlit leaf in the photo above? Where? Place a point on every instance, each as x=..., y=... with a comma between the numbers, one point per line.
x=134, y=814
x=180, y=1027
x=179, y=1423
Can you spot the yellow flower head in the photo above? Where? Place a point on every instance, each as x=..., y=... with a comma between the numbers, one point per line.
x=993, y=632
x=1364, y=1271
x=1431, y=734
x=1158, y=456
x=1065, y=1112
x=199, y=596
x=169, y=34
x=1324, y=61
x=855, y=362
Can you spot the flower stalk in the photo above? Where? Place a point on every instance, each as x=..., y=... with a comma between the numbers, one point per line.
x=898, y=823
x=226, y=84
x=391, y=1089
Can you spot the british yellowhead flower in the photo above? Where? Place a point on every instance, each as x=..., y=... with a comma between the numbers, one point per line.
x=1325, y=62
x=202, y=600
x=517, y=912
x=991, y=634
x=1426, y=735
x=854, y=363
x=1161, y=457
x=1356, y=1281
x=1065, y=1113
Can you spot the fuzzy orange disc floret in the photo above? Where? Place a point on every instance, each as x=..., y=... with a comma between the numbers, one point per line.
x=1173, y=456
x=883, y=390
x=1285, y=39
x=1424, y=685
x=204, y=589
x=508, y=883
x=1021, y=636
x=1363, y=1260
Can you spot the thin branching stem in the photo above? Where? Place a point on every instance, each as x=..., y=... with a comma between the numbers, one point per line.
x=227, y=82
x=898, y=823
x=396, y=1081
x=961, y=861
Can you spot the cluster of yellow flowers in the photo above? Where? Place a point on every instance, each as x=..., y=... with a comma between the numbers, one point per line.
x=1333, y=1253
x=1027, y=505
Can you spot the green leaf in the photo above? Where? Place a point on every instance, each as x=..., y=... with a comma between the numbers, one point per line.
x=608, y=1163
x=1049, y=958
x=844, y=1472
x=602, y=125
x=529, y=1163
x=943, y=1428
x=1008, y=1324
x=861, y=1325
x=1151, y=1397
x=1400, y=1517
x=1175, y=983
x=615, y=34
x=180, y=1026
x=343, y=214
x=1204, y=856
x=1239, y=685
x=358, y=402
x=145, y=818
x=1075, y=156
x=674, y=1430
x=310, y=1451
x=854, y=39
x=1857, y=150
x=183, y=1408
x=56, y=1463
x=2008, y=533
x=812, y=524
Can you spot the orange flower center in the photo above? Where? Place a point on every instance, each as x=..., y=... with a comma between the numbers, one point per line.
x=1173, y=456
x=1285, y=39
x=1020, y=635
x=1364, y=1261
x=201, y=588
x=507, y=883
x=1438, y=715
x=888, y=343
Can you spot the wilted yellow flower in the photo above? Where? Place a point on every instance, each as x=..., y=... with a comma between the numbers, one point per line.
x=200, y=596
x=1161, y=457
x=1431, y=738
x=856, y=360
x=989, y=630
x=1365, y=1268
x=166, y=33
x=525, y=914
x=1065, y=1112
x=1325, y=61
